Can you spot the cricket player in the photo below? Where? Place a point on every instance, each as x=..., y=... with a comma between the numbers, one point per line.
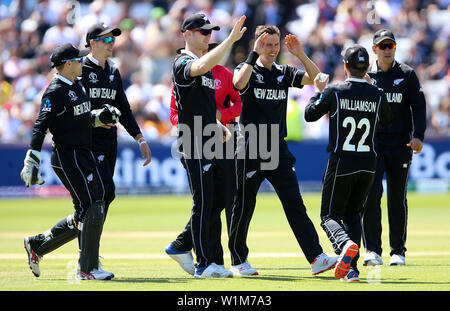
x=263, y=86
x=396, y=145
x=66, y=112
x=355, y=109
x=228, y=104
x=194, y=91
x=103, y=84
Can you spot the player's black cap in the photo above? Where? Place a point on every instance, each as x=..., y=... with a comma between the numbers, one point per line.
x=383, y=34
x=356, y=57
x=66, y=52
x=197, y=21
x=100, y=29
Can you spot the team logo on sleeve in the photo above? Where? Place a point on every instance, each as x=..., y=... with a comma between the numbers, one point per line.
x=93, y=78
x=47, y=106
x=73, y=96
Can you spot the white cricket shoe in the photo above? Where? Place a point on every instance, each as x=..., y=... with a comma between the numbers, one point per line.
x=33, y=258
x=184, y=258
x=100, y=269
x=243, y=269
x=397, y=260
x=322, y=263
x=212, y=271
x=95, y=274
x=372, y=259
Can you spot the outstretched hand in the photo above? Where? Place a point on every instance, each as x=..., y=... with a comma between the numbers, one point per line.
x=293, y=45
x=258, y=47
x=238, y=30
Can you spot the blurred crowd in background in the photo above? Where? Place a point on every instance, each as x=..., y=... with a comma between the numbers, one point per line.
x=31, y=29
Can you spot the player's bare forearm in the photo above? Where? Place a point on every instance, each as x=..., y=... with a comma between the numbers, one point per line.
x=210, y=59
x=241, y=78
x=310, y=67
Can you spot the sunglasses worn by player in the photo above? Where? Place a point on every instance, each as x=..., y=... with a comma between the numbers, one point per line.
x=204, y=32
x=106, y=40
x=384, y=46
x=79, y=59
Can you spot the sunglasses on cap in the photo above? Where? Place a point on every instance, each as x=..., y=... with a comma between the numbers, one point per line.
x=106, y=40
x=384, y=46
x=204, y=32
x=79, y=59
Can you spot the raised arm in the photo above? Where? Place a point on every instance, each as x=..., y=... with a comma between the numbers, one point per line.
x=295, y=47
x=212, y=58
x=241, y=77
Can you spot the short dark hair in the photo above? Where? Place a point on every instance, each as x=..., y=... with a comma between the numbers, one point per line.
x=359, y=73
x=270, y=29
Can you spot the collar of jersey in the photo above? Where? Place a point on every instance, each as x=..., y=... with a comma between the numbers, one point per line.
x=92, y=59
x=356, y=80
x=189, y=53
x=258, y=62
x=375, y=66
x=95, y=61
x=63, y=79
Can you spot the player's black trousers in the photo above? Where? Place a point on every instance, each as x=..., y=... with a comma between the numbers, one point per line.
x=76, y=168
x=103, y=158
x=223, y=189
x=206, y=179
x=395, y=161
x=105, y=152
x=346, y=184
x=285, y=182
x=223, y=200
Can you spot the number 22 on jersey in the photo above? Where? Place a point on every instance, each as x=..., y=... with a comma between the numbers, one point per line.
x=363, y=123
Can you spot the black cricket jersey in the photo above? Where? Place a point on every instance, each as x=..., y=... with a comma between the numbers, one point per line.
x=194, y=96
x=406, y=100
x=264, y=98
x=355, y=108
x=104, y=86
x=66, y=112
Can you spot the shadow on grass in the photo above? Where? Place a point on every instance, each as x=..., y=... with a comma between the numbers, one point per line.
x=151, y=280
x=283, y=268
x=266, y=277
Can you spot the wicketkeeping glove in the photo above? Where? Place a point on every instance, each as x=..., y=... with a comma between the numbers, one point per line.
x=30, y=173
x=108, y=114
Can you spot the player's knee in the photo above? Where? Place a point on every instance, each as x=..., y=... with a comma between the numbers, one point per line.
x=95, y=212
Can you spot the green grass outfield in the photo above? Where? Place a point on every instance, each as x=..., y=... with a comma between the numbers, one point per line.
x=138, y=229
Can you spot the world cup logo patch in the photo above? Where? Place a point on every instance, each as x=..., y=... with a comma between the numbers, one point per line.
x=73, y=96
x=93, y=78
